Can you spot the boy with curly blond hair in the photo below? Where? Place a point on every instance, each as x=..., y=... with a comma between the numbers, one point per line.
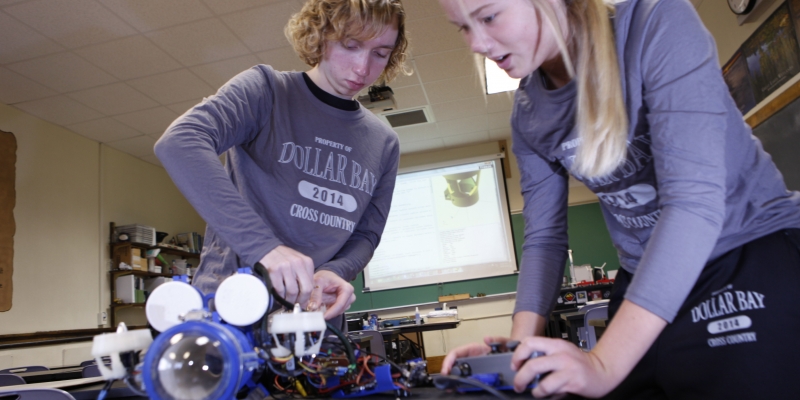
x=309, y=176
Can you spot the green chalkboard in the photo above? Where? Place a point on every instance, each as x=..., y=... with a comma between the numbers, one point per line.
x=588, y=239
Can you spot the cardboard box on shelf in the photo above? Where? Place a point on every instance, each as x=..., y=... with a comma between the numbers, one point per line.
x=129, y=255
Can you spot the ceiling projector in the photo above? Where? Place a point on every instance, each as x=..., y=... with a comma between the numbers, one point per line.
x=378, y=99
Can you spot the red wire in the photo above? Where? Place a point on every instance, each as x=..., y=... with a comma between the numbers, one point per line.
x=278, y=385
x=358, y=378
x=366, y=366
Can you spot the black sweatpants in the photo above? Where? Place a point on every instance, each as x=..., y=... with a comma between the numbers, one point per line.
x=737, y=335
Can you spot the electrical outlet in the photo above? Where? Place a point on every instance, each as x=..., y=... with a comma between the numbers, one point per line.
x=102, y=318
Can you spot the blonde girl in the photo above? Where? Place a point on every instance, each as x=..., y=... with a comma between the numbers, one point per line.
x=628, y=97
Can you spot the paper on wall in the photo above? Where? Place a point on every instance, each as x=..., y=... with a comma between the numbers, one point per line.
x=8, y=158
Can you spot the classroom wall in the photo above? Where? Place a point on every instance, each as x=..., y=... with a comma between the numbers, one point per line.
x=135, y=191
x=56, y=249
x=727, y=32
x=68, y=190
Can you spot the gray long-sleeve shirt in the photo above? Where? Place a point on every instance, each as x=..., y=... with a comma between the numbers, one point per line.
x=696, y=183
x=299, y=173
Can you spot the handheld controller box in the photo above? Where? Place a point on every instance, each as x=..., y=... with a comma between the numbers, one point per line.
x=493, y=369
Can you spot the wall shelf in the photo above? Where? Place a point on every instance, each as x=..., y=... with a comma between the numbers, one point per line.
x=115, y=273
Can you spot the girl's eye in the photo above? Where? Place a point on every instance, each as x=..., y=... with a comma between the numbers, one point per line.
x=488, y=19
x=382, y=55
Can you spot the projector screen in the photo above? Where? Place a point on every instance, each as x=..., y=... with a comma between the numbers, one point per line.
x=447, y=223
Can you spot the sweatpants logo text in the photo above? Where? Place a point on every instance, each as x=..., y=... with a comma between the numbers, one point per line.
x=727, y=303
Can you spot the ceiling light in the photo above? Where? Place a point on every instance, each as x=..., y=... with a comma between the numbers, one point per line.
x=497, y=80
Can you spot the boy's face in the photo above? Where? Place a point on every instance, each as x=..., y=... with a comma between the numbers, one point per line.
x=351, y=65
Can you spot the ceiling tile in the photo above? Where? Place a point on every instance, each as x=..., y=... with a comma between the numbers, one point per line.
x=446, y=65
x=228, y=6
x=459, y=108
x=417, y=133
x=152, y=159
x=15, y=88
x=434, y=34
x=262, y=28
x=150, y=122
x=19, y=42
x=422, y=145
x=454, y=89
x=463, y=125
x=117, y=98
x=189, y=48
x=59, y=110
x=500, y=119
x=182, y=107
x=217, y=73
x=71, y=23
x=199, y=42
x=406, y=80
x=151, y=15
x=128, y=58
x=104, y=130
x=172, y=87
x=409, y=96
x=63, y=72
x=283, y=59
x=469, y=138
x=136, y=146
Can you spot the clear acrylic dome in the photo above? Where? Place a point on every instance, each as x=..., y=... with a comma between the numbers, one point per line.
x=191, y=367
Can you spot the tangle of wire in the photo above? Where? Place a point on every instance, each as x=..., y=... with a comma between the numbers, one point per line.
x=315, y=371
x=447, y=381
x=262, y=271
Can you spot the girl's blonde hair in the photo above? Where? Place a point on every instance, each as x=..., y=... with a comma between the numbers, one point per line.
x=320, y=21
x=602, y=121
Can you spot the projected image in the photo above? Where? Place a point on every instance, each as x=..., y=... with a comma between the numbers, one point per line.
x=467, y=232
x=462, y=188
x=445, y=224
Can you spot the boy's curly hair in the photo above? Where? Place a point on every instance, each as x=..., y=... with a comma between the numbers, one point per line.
x=320, y=21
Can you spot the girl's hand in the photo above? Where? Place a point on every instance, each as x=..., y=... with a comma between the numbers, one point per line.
x=570, y=369
x=471, y=350
x=592, y=374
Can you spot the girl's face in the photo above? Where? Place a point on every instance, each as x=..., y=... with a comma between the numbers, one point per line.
x=512, y=33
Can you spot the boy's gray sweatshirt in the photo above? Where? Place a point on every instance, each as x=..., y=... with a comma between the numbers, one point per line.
x=299, y=173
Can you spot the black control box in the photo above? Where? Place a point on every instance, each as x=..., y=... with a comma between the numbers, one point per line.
x=493, y=369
